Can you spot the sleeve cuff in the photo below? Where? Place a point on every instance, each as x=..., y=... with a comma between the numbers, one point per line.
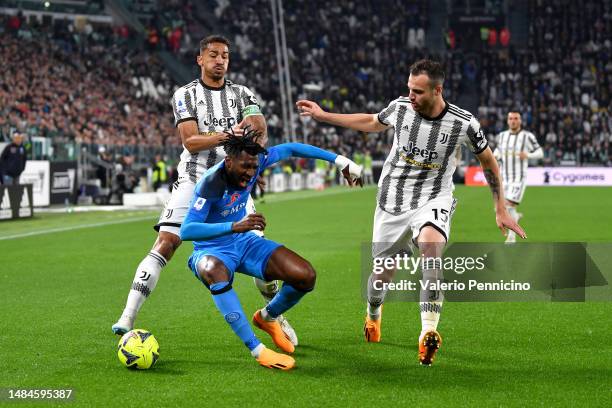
x=185, y=120
x=381, y=121
x=481, y=150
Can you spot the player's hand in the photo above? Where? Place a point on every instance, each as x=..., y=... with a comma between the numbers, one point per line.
x=251, y=222
x=220, y=137
x=261, y=182
x=238, y=130
x=505, y=221
x=523, y=155
x=351, y=171
x=309, y=108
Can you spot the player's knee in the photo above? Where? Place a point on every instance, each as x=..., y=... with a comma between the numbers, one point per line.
x=167, y=244
x=212, y=270
x=210, y=276
x=307, y=277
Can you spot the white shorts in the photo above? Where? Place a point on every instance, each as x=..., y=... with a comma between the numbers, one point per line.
x=394, y=233
x=176, y=208
x=514, y=191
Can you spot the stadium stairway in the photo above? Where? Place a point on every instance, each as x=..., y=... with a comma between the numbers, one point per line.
x=437, y=23
x=121, y=11
x=517, y=21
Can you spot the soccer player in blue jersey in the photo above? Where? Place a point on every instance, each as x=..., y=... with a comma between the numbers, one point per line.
x=224, y=241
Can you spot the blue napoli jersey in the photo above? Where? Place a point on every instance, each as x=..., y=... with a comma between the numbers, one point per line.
x=216, y=205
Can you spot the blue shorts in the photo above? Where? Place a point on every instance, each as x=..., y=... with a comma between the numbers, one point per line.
x=246, y=253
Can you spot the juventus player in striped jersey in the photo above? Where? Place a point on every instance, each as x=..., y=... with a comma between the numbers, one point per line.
x=415, y=191
x=514, y=147
x=203, y=110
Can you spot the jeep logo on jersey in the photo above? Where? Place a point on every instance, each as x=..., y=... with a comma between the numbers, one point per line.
x=414, y=150
x=225, y=122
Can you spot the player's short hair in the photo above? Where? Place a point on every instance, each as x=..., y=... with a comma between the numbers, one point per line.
x=246, y=143
x=432, y=69
x=515, y=110
x=215, y=38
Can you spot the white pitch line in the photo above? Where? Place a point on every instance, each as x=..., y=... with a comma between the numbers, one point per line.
x=75, y=227
x=273, y=200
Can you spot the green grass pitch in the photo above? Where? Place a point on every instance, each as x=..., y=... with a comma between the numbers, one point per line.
x=61, y=291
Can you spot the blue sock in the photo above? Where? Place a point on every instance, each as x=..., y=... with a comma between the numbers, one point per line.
x=229, y=305
x=284, y=300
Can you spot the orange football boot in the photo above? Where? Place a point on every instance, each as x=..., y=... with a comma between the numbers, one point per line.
x=272, y=359
x=275, y=330
x=429, y=343
x=371, y=328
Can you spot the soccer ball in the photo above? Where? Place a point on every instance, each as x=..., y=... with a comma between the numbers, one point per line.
x=138, y=349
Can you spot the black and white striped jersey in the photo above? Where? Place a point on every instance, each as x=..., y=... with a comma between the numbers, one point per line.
x=214, y=109
x=423, y=157
x=509, y=146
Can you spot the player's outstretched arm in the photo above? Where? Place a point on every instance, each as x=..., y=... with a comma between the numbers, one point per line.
x=493, y=176
x=350, y=170
x=364, y=122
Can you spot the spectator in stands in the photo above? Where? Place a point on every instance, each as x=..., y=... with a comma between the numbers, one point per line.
x=160, y=172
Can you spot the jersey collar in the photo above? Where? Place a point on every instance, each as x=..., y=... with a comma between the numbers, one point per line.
x=440, y=116
x=213, y=88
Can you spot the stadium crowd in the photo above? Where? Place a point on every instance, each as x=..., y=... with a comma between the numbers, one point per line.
x=562, y=84
x=88, y=85
x=81, y=82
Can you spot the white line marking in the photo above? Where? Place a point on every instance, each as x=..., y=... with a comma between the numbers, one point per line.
x=272, y=200
x=75, y=227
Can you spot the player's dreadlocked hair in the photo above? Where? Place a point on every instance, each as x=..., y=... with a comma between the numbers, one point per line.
x=245, y=143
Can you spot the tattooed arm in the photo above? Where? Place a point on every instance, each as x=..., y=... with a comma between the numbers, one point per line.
x=493, y=176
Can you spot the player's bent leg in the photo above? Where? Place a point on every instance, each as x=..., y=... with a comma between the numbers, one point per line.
x=216, y=275
x=268, y=290
x=146, y=278
x=299, y=278
x=388, y=239
x=431, y=244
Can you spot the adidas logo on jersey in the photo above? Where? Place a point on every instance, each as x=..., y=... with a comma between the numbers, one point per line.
x=414, y=150
x=225, y=122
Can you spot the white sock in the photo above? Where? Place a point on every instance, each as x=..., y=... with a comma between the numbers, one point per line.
x=257, y=350
x=266, y=316
x=430, y=315
x=145, y=280
x=376, y=297
x=373, y=311
x=431, y=300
